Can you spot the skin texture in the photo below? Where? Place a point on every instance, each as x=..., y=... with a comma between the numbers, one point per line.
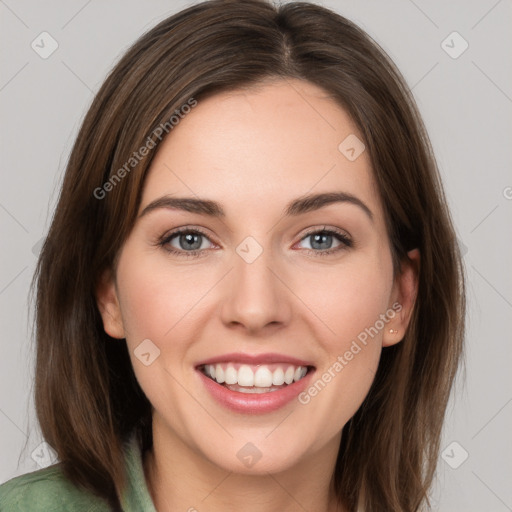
x=254, y=151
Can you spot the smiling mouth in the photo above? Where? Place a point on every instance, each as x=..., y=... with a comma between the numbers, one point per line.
x=263, y=378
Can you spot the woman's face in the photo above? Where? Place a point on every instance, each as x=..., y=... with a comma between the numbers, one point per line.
x=274, y=282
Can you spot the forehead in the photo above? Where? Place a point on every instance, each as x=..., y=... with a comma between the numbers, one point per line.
x=262, y=146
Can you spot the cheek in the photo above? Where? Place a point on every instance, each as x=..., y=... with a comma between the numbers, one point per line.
x=155, y=296
x=346, y=298
x=157, y=305
x=350, y=300
x=162, y=302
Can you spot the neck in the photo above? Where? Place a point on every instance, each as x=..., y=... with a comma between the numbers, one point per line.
x=180, y=478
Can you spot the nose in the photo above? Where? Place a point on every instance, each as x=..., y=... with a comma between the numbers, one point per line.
x=256, y=297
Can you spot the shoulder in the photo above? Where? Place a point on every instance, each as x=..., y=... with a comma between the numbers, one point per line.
x=47, y=490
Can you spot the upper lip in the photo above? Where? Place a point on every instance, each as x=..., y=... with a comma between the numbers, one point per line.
x=255, y=359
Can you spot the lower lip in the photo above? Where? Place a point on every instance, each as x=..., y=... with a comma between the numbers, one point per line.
x=255, y=403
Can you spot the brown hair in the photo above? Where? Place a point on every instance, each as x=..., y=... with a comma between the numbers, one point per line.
x=84, y=380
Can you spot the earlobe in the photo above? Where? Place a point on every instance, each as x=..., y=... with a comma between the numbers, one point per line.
x=108, y=305
x=403, y=297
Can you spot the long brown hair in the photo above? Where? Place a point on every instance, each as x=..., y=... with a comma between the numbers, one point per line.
x=87, y=398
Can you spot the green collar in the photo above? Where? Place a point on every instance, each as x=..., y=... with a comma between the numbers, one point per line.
x=136, y=497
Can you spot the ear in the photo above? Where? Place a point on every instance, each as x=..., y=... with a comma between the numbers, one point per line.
x=403, y=297
x=108, y=304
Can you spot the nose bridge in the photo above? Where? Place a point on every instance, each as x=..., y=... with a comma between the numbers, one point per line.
x=252, y=261
x=255, y=296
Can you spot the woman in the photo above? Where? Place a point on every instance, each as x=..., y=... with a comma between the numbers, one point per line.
x=192, y=352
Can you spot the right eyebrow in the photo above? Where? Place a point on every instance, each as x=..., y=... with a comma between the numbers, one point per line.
x=187, y=204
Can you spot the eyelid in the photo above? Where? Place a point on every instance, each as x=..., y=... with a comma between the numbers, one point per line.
x=326, y=228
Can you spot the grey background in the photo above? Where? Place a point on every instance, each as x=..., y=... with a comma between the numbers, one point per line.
x=466, y=103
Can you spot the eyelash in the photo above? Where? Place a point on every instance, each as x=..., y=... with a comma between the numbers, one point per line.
x=165, y=239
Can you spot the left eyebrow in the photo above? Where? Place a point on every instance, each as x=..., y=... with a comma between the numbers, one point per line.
x=296, y=207
x=316, y=201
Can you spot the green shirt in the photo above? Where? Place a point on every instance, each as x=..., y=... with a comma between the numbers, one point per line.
x=48, y=490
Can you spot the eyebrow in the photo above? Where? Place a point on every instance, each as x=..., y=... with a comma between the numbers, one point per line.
x=296, y=207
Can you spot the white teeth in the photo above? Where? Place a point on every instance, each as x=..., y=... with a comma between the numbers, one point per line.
x=231, y=375
x=245, y=376
x=289, y=374
x=211, y=370
x=219, y=374
x=253, y=390
x=263, y=378
x=278, y=377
